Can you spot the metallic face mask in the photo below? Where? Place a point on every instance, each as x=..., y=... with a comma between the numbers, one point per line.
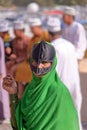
x=40, y=71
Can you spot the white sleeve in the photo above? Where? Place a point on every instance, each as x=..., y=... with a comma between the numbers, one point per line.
x=2, y=59
x=80, y=41
x=67, y=70
x=60, y=64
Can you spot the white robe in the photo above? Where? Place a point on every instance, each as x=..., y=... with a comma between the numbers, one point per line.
x=4, y=98
x=75, y=33
x=67, y=69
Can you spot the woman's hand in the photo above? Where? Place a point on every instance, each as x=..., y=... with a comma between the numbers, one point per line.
x=9, y=84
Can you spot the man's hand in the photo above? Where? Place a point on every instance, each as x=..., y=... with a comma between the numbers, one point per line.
x=13, y=57
x=9, y=84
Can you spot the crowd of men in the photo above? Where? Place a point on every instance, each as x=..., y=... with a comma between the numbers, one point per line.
x=69, y=41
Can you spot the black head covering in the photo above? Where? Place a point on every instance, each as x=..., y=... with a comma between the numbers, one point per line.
x=43, y=52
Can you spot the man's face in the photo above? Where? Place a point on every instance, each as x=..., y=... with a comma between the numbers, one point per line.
x=18, y=32
x=68, y=19
x=35, y=29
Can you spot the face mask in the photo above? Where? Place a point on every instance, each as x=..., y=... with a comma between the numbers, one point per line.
x=40, y=71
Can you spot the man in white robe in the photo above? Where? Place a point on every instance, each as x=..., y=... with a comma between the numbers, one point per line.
x=67, y=66
x=4, y=97
x=74, y=32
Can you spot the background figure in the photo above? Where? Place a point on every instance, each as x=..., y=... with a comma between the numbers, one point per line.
x=74, y=32
x=67, y=66
x=19, y=44
x=23, y=73
x=7, y=41
x=4, y=33
x=38, y=33
x=4, y=97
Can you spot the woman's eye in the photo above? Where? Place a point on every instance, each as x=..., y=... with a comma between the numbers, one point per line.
x=44, y=62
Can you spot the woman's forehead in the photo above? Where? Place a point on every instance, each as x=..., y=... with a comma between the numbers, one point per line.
x=42, y=53
x=41, y=61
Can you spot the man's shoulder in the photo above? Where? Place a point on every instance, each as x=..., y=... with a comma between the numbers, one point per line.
x=62, y=42
x=78, y=25
x=64, y=47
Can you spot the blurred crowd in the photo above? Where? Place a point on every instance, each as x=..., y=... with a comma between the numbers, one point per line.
x=69, y=40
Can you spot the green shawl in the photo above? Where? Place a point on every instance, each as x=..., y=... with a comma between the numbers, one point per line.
x=46, y=105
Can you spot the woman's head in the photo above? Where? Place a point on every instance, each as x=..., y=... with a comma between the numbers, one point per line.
x=42, y=58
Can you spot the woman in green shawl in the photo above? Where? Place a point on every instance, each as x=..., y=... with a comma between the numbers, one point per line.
x=46, y=103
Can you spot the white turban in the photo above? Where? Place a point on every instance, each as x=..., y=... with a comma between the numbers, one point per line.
x=70, y=11
x=53, y=24
x=18, y=25
x=35, y=22
x=4, y=26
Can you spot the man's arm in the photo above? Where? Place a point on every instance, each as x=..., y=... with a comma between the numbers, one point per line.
x=80, y=42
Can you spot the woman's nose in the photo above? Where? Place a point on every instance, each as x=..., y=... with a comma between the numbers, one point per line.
x=40, y=65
